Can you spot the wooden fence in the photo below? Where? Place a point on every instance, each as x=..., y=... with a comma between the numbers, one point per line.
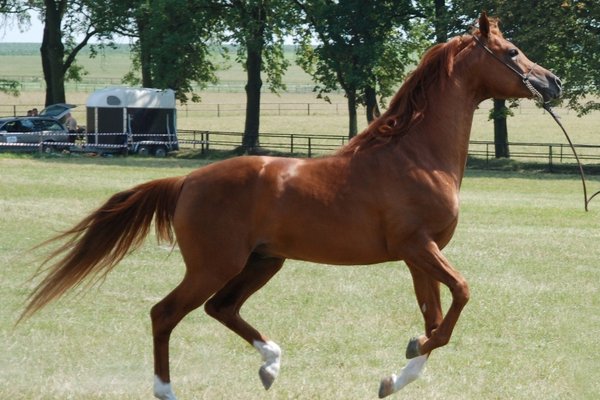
x=314, y=145
x=549, y=154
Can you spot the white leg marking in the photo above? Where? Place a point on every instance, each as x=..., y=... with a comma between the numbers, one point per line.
x=271, y=355
x=163, y=391
x=409, y=373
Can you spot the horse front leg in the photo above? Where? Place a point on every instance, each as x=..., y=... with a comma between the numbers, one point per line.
x=431, y=262
x=427, y=291
x=428, y=267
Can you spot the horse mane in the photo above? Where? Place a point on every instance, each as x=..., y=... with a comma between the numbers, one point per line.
x=408, y=107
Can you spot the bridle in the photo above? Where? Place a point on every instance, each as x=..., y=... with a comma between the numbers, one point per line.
x=524, y=77
x=546, y=106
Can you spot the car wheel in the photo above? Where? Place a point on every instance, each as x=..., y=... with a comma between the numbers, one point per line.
x=47, y=148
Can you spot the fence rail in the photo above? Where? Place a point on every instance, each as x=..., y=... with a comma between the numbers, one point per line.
x=550, y=154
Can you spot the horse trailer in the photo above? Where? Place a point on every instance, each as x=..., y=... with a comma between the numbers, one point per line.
x=132, y=120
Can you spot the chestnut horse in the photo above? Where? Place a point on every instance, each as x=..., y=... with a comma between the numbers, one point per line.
x=391, y=194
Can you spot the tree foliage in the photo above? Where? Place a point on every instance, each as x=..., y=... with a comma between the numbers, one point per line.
x=171, y=44
x=362, y=47
x=258, y=29
x=68, y=27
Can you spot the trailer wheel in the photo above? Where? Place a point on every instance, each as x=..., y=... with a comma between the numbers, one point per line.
x=144, y=151
x=160, y=151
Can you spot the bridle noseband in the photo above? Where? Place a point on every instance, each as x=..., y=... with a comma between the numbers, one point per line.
x=524, y=77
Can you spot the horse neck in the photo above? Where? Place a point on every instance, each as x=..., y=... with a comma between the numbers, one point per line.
x=441, y=139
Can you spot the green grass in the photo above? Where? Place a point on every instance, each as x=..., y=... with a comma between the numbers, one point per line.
x=524, y=243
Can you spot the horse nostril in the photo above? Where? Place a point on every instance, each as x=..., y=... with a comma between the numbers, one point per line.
x=557, y=86
x=558, y=82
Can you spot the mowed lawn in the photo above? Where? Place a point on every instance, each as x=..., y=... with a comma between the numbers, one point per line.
x=524, y=242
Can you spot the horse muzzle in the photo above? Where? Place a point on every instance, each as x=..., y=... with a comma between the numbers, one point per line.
x=548, y=84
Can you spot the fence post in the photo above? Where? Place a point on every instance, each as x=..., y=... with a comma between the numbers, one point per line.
x=308, y=108
x=309, y=147
x=218, y=109
x=550, y=158
x=292, y=143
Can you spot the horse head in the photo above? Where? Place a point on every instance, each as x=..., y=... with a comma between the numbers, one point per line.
x=511, y=74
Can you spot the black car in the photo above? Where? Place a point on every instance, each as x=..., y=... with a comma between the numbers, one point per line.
x=33, y=133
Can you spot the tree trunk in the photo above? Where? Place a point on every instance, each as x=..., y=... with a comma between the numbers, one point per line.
x=53, y=52
x=145, y=43
x=254, y=48
x=352, y=121
x=253, y=88
x=441, y=30
x=372, y=108
x=500, y=129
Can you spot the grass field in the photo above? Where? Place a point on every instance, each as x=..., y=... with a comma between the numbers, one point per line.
x=524, y=243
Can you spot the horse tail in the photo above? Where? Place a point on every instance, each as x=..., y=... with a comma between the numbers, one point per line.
x=96, y=244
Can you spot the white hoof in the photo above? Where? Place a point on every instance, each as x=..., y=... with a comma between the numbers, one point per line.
x=409, y=373
x=162, y=390
x=271, y=355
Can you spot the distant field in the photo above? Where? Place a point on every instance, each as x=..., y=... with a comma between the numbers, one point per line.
x=21, y=61
x=528, y=125
x=524, y=243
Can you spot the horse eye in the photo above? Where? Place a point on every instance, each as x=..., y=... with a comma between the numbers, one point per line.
x=512, y=53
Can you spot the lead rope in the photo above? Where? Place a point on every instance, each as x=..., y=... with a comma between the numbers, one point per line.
x=546, y=106
x=586, y=199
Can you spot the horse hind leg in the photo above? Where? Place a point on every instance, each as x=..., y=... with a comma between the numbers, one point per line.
x=190, y=294
x=224, y=306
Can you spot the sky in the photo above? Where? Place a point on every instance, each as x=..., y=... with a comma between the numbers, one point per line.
x=9, y=32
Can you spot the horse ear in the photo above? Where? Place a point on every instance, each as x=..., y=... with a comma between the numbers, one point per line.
x=484, y=24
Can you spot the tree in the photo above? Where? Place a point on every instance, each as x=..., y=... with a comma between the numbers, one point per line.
x=561, y=36
x=12, y=10
x=68, y=27
x=362, y=47
x=258, y=28
x=172, y=44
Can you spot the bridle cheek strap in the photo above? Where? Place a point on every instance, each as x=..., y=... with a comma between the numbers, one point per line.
x=524, y=77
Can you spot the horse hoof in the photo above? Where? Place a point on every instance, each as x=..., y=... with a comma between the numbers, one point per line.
x=412, y=350
x=386, y=387
x=266, y=377
x=271, y=355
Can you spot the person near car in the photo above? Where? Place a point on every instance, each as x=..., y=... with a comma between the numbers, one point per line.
x=71, y=123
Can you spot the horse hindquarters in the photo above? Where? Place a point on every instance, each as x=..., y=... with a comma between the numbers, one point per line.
x=221, y=272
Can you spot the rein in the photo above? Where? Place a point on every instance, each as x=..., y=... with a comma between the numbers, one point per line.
x=546, y=106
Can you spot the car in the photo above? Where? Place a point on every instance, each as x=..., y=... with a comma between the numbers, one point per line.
x=33, y=133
